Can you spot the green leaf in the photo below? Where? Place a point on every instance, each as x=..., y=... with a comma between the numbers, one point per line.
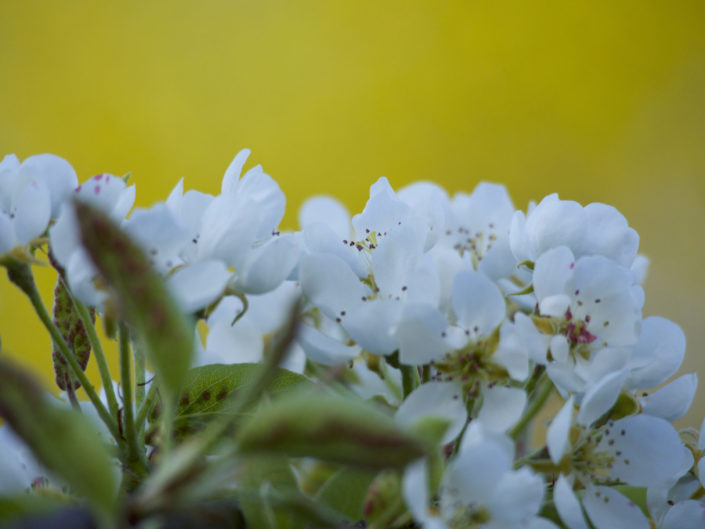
x=346, y=490
x=69, y=323
x=206, y=391
x=24, y=504
x=65, y=441
x=329, y=427
x=264, y=477
x=141, y=295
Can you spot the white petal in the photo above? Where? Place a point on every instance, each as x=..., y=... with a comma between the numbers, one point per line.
x=435, y=399
x=518, y=496
x=600, y=397
x=267, y=266
x=258, y=188
x=327, y=210
x=658, y=354
x=415, y=489
x=57, y=174
x=511, y=352
x=519, y=238
x=420, y=334
x=198, y=285
x=477, y=302
x=554, y=305
x=234, y=344
x=673, y=400
x=395, y=259
x=501, y=407
x=608, y=509
x=272, y=310
x=160, y=233
x=701, y=438
x=472, y=477
x=31, y=211
x=330, y=284
x=7, y=234
x=640, y=268
x=383, y=211
x=232, y=173
x=552, y=271
x=324, y=349
x=228, y=228
x=555, y=222
x=609, y=234
x=558, y=433
x=568, y=505
x=646, y=450
x=688, y=514
x=371, y=324
x=320, y=238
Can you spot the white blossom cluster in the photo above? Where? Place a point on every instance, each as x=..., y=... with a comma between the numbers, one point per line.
x=488, y=304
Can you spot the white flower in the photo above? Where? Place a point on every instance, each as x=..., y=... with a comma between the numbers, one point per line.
x=31, y=194
x=596, y=229
x=381, y=288
x=479, y=489
x=235, y=230
x=638, y=450
x=594, y=311
x=435, y=399
x=113, y=197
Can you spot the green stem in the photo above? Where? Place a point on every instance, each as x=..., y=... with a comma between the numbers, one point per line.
x=409, y=379
x=144, y=407
x=133, y=451
x=541, y=396
x=21, y=275
x=425, y=373
x=98, y=354
x=184, y=461
x=140, y=386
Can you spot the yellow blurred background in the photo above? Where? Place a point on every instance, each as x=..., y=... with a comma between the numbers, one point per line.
x=599, y=101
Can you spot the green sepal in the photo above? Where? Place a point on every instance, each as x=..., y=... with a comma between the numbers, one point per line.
x=207, y=390
x=637, y=495
x=332, y=428
x=141, y=296
x=626, y=405
x=63, y=440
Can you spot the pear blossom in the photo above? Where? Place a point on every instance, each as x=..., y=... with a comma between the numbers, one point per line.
x=593, y=310
x=478, y=489
x=31, y=195
x=115, y=198
x=596, y=229
x=622, y=451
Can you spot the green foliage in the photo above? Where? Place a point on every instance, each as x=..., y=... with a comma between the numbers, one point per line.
x=345, y=491
x=69, y=323
x=207, y=391
x=21, y=505
x=264, y=480
x=62, y=439
x=329, y=427
x=141, y=295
